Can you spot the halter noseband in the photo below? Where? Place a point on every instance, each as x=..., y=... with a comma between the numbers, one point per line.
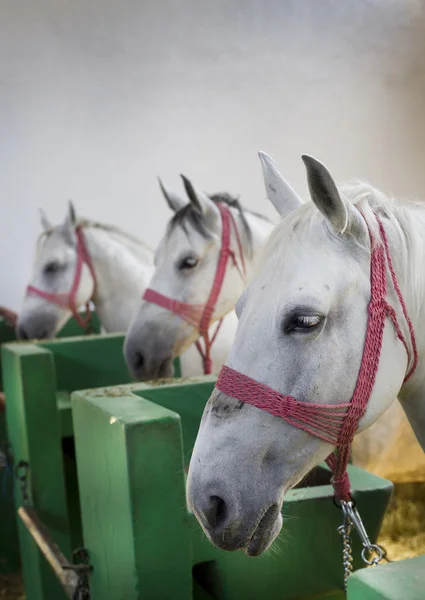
x=199, y=316
x=336, y=423
x=69, y=300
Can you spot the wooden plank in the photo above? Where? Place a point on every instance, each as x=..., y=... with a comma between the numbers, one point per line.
x=130, y=471
x=34, y=432
x=402, y=580
x=89, y=361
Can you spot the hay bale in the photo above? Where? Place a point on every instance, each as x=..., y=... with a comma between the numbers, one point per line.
x=402, y=533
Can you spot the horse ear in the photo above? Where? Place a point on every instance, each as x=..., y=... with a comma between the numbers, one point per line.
x=45, y=223
x=72, y=215
x=68, y=226
x=325, y=195
x=278, y=191
x=174, y=201
x=200, y=200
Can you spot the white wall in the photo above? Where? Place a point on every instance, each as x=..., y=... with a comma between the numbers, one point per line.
x=98, y=98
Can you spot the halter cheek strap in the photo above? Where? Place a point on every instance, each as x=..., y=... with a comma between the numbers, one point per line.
x=199, y=316
x=336, y=423
x=69, y=300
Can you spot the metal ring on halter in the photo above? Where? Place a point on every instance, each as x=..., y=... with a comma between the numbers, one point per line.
x=373, y=548
x=338, y=503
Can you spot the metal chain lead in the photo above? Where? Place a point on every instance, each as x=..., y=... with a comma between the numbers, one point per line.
x=372, y=554
x=347, y=556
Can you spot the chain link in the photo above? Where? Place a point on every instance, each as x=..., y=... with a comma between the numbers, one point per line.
x=347, y=554
x=372, y=554
x=80, y=556
x=6, y=464
x=21, y=474
x=82, y=569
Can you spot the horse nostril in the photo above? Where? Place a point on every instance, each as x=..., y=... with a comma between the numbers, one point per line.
x=165, y=369
x=139, y=360
x=216, y=512
x=22, y=334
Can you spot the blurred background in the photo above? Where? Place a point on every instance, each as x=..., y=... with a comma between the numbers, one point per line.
x=99, y=98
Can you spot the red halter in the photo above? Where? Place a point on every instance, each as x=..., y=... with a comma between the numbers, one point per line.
x=200, y=315
x=336, y=423
x=69, y=300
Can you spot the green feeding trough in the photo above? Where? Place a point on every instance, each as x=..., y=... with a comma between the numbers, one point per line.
x=105, y=468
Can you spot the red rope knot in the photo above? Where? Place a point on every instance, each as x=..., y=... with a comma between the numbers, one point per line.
x=341, y=486
x=207, y=366
x=377, y=306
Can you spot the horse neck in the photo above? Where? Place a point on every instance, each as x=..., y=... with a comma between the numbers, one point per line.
x=410, y=251
x=123, y=269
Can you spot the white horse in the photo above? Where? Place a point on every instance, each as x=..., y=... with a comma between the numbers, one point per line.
x=186, y=265
x=122, y=266
x=302, y=327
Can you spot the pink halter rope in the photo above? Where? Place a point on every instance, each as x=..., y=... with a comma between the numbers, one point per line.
x=69, y=300
x=336, y=423
x=200, y=315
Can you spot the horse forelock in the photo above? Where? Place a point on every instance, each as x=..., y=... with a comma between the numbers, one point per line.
x=190, y=217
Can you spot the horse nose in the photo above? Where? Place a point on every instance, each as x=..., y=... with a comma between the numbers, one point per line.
x=220, y=519
x=21, y=333
x=137, y=363
x=214, y=513
x=37, y=333
x=145, y=366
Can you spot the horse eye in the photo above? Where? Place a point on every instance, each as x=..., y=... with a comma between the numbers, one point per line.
x=52, y=267
x=303, y=323
x=187, y=263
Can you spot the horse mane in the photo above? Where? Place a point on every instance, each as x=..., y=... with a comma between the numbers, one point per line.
x=406, y=216
x=113, y=229
x=188, y=214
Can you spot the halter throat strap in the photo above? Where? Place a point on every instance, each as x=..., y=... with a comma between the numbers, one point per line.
x=336, y=423
x=200, y=316
x=69, y=300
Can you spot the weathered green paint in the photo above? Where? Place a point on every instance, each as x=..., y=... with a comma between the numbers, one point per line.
x=69, y=364
x=132, y=498
x=308, y=563
x=9, y=545
x=34, y=432
x=403, y=580
x=36, y=376
x=70, y=329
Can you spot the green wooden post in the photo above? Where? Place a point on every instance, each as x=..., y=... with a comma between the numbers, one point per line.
x=34, y=430
x=9, y=546
x=402, y=580
x=131, y=480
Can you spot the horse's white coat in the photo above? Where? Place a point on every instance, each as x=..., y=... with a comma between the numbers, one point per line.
x=314, y=269
x=123, y=266
x=158, y=335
